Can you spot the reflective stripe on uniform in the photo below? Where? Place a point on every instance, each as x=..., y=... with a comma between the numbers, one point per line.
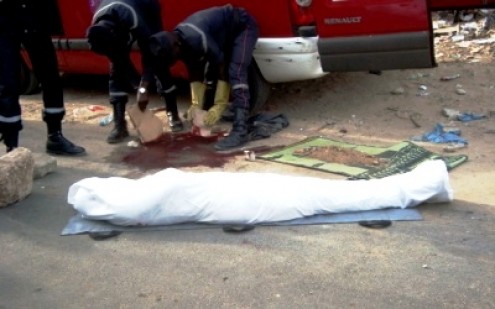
x=118, y=94
x=54, y=110
x=108, y=6
x=201, y=33
x=169, y=90
x=240, y=86
x=12, y=119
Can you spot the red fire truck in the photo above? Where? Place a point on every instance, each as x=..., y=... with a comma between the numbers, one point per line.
x=299, y=39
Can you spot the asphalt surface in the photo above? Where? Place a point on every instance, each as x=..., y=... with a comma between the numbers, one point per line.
x=444, y=261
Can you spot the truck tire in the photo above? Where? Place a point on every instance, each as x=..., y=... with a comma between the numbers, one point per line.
x=29, y=82
x=259, y=88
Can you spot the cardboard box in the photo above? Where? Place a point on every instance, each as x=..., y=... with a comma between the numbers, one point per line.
x=148, y=126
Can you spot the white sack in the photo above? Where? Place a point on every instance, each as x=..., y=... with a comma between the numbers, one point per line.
x=172, y=196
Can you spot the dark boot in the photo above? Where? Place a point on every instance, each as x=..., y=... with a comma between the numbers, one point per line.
x=174, y=122
x=119, y=132
x=59, y=145
x=239, y=134
x=173, y=118
x=10, y=139
x=56, y=143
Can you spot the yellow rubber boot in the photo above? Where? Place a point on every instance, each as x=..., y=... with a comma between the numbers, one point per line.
x=197, y=96
x=221, y=101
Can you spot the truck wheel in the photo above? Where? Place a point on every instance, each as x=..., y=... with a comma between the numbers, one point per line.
x=259, y=88
x=29, y=82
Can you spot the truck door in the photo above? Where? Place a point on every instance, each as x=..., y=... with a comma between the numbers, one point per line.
x=356, y=35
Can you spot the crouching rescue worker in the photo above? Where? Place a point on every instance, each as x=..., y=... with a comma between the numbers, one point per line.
x=219, y=41
x=28, y=22
x=116, y=25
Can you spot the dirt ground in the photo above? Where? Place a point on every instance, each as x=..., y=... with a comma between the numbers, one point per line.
x=443, y=261
x=375, y=109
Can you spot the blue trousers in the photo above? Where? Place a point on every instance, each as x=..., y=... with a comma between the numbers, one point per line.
x=42, y=55
x=240, y=58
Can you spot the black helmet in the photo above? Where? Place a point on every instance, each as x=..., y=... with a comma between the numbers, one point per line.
x=106, y=38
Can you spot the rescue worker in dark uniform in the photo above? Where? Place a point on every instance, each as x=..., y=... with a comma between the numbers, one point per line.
x=115, y=27
x=28, y=22
x=219, y=41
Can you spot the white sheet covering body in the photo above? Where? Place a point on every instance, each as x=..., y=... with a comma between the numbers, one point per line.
x=172, y=196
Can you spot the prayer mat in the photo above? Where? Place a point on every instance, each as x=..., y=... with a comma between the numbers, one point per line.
x=357, y=161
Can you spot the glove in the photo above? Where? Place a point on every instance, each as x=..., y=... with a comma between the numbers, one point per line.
x=197, y=96
x=222, y=94
x=142, y=98
x=190, y=112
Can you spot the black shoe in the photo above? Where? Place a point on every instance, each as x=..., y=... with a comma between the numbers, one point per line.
x=238, y=136
x=59, y=145
x=174, y=122
x=238, y=228
x=118, y=134
x=233, y=140
x=103, y=235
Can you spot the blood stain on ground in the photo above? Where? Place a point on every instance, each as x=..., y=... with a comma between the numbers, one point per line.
x=181, y=150
x=176, y=150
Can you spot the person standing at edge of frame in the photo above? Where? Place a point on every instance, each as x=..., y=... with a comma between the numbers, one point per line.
x=116, y=25
x=28, y=22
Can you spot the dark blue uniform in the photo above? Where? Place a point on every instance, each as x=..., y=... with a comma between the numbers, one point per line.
x=30, y=23
x=221, y=35
x=141, y=19
x=215, y=44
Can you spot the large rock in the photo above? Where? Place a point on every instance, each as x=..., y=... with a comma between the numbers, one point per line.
x=16, y=176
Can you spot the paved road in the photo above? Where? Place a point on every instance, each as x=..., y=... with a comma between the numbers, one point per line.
x=445, y=261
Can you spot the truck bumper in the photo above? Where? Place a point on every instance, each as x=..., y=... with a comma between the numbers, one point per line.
x=378, y=52
x=288, y=59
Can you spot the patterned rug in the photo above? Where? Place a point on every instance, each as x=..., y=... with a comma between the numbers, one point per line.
x=357, y=161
